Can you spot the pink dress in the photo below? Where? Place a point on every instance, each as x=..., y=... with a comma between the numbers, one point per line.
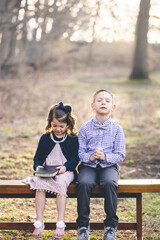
x=58, y=184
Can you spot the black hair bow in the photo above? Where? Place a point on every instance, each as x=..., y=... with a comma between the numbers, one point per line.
x=65, y=109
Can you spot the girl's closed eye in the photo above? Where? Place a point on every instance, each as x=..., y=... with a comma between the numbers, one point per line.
x=58, y=126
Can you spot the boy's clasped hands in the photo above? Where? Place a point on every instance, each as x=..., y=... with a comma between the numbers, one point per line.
x=98, y=155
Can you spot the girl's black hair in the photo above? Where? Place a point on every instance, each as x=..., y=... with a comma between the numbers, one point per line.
x=61, y=116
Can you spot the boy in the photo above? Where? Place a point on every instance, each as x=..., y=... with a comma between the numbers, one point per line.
x=101, y=147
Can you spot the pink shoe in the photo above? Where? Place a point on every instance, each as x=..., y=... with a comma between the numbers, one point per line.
x=59, y=224
x=37, y=225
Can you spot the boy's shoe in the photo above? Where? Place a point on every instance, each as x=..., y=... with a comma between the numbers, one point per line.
x=83, y=233
x=110, y=233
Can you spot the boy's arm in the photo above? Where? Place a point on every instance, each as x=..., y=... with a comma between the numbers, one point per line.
x=118, y=153
x=84, y=154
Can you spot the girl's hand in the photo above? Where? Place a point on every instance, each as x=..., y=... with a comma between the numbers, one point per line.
x=62, y=169
x=39, y=167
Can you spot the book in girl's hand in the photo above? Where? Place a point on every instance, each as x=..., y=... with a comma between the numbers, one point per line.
x=46, y=171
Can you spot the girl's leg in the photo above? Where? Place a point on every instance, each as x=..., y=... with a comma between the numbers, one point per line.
x=40, y=206
x=61, y=206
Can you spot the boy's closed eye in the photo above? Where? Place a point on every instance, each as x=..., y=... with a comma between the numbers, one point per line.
x=105, y=100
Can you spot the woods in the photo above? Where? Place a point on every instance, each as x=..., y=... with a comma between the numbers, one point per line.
x=29, y=30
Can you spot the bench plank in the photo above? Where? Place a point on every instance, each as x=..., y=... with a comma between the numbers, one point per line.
x=124, y=186
x=69, y=226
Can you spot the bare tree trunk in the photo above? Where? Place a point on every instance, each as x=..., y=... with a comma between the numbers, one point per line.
x=96, y=16
x=139, y=70
x=9, y=11
x=22, y=42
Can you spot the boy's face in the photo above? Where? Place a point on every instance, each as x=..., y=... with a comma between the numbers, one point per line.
x=103, y=104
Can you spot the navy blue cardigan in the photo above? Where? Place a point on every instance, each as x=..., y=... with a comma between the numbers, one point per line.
x=69, y=149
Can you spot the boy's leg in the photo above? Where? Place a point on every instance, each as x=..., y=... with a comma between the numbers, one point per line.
x=86, y=181
x=108, y=180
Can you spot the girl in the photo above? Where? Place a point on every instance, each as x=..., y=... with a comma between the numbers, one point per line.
x=58, y=146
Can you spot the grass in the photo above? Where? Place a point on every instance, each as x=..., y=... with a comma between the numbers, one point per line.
x=23, y=209
x=137, y=111
x=130, y=162
x=132, y=140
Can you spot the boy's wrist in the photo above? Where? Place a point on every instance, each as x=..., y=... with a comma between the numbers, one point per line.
x=104, y=156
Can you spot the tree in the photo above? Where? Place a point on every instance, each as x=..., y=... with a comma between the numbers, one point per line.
x=8, y=24
x=139, y=70
x=24, y=30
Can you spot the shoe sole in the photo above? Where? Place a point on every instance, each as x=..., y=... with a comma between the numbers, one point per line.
x=56, y=237
x=39, y=236
x=87, y=239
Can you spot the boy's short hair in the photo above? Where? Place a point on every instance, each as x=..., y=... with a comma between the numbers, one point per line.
x=101, y=90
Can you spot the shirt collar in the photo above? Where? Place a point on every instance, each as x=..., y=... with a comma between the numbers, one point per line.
x=107, y=122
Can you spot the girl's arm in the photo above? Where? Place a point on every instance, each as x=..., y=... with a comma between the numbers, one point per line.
x=73, y=160
x=39, y=155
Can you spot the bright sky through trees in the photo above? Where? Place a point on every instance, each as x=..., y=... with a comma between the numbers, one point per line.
x=114, y=24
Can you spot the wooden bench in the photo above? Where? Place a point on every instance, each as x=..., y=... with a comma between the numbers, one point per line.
x=126, y=189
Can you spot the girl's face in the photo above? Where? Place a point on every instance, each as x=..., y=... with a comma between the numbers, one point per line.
x=58, y=128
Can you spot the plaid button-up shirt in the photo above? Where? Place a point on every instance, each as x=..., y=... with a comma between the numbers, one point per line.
x=111, y=140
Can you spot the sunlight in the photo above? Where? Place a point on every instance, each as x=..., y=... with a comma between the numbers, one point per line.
x=49, y=24
x=111, y=24
x=157, y=114
x=108, y=28
x=50, y=2
x=38, y=34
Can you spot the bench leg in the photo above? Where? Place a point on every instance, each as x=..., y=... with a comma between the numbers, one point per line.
x=139, y=215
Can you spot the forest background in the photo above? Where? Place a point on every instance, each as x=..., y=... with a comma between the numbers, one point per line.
x=65, y=50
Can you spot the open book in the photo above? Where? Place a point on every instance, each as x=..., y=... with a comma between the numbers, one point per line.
x=46, y=171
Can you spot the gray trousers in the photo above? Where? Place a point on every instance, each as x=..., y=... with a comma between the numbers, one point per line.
x=107, y=178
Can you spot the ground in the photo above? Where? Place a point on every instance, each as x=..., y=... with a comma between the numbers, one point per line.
x=25, y=101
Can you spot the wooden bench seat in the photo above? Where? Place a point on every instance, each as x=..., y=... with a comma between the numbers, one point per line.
x=126, y=189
